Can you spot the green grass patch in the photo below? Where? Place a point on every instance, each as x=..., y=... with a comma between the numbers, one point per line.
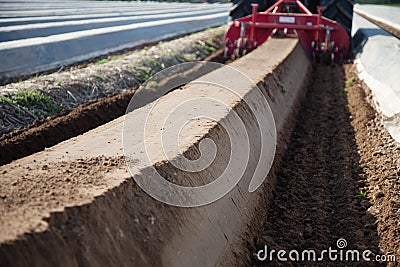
x=5, y=100
x=170, y=53
x=103, y=61
x=174, y=54
x=152, y=62
x=143, y=73
x=32, y=100
x=210, y=42
x=210, y=49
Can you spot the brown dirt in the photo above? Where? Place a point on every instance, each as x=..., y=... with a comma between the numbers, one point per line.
x=124, y=223
x=66, y=183
x=336, y=149
x=380, y=160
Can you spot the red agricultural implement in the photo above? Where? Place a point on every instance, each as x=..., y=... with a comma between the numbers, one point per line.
x=323, y=39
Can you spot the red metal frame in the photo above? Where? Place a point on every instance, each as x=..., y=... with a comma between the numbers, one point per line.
x=317, y=34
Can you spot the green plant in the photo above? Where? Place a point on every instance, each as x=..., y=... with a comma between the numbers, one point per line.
x=187, y=57
x=350, y=81
x=346, y=89
x=362, y=194
x=143, y=73
x=183, y=57
x=103, y=61
x=152, y=62
x=210, y=42
x=32, y=100
x=5, y=100
x=115, y=57
x=170, y=53
x=210, y=49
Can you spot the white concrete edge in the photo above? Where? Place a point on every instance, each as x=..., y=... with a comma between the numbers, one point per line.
x=101, y=31
x=91, y=16
x=380, y=19
x=386, y=101
x=72, y=60
x=8, y=14
x=105, y=20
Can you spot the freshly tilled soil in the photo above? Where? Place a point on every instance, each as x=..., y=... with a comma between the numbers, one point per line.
x=380, y=161
x=338, y=148
x=54, y=183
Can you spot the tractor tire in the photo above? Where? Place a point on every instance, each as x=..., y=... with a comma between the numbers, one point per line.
x=340, y=11
x=242, y=8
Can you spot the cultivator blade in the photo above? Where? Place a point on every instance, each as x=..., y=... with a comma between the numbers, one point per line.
x=322, y=38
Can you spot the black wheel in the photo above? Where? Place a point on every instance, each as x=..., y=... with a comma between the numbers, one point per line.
x=340, y=11
x=242, y=8
x=312, y=5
